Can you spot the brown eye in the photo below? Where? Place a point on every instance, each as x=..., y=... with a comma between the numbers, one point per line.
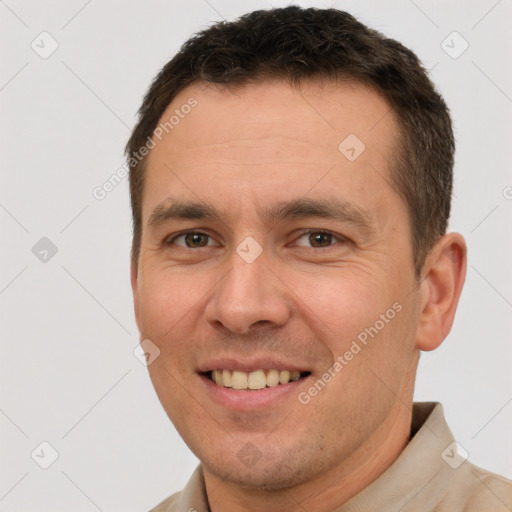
x=320, y=239
x=317, y=239
x=196, y=239
x=192, y=240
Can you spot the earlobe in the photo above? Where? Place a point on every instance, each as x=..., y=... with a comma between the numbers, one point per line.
x=444, y=273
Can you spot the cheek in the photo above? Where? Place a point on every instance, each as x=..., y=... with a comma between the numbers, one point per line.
x=341, y=304
x=165, y=300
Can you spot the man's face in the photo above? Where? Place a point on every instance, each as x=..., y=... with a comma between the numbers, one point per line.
x=272, y=283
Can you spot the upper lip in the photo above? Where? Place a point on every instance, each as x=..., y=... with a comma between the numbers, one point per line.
x=249, y=365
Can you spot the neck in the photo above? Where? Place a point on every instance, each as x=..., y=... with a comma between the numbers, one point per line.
x=327, y=491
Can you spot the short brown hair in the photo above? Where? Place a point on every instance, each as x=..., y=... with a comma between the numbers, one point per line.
x=297, y=44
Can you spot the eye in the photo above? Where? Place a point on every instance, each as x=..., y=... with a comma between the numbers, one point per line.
x=318, y=239
x=192, y=240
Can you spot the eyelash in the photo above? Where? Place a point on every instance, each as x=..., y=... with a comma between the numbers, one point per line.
x=338, y=238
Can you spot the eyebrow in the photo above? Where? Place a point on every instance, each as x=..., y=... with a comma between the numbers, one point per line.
x=325, y=208
x=183, y=210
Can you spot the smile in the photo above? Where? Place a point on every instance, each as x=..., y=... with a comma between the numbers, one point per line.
x=254, y=380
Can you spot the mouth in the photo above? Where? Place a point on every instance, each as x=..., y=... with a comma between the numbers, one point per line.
x=255, y=380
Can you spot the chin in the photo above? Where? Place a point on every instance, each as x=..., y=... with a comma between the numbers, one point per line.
x=268, y=473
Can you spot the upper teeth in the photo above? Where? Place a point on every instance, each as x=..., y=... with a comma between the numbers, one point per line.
x=253, y=380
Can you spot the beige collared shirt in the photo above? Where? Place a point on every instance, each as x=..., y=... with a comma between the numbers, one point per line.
x=429, y=475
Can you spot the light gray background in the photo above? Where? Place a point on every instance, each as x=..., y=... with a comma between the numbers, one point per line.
x=68, y=375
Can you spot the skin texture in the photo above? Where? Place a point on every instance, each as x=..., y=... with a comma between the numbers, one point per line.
x=243, y=151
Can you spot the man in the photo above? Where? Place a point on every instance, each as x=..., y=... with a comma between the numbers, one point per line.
x=291, y=175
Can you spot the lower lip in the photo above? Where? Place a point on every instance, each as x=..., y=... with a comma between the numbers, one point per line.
x=250, y=400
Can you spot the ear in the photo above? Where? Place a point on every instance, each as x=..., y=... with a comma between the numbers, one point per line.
x=135, y=290
x=443, y=277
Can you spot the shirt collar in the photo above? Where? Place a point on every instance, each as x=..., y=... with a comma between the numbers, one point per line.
x=417, y=467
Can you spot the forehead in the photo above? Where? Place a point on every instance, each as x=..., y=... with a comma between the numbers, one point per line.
x=315, y=112
x=270, y=137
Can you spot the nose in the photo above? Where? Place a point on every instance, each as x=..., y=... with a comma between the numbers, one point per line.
x=249, y=294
